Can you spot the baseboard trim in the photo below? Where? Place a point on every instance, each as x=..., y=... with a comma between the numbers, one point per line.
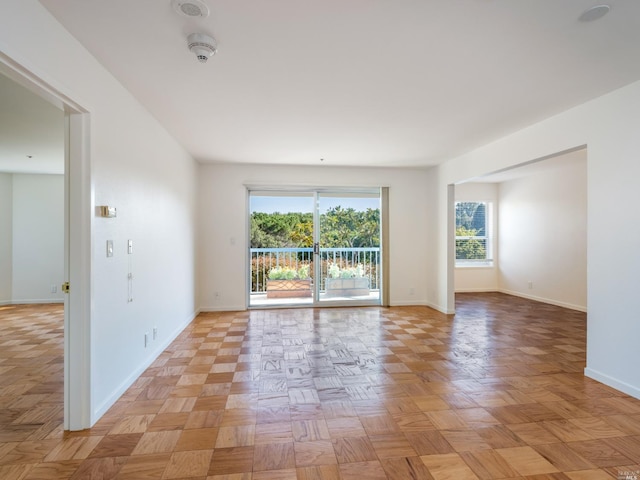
x=32, y=302
x=441, y=309
x=101, y=409
x=557, y=303
x=612, y=382
x=476, y=290
x=408, y=304
x=422, y=304
x=222, y=309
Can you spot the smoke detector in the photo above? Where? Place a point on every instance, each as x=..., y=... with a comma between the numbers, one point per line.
x=191, y=8
x=594, y=13
x=202, y=45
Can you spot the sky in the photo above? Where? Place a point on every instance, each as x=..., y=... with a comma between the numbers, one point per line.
x=284, y=204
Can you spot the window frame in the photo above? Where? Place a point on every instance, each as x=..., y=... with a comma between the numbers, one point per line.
x=487, y=238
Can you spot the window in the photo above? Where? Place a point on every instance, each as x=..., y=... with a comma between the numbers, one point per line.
x=473, y=234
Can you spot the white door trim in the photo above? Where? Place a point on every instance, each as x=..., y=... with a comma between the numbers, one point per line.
x=78, y=304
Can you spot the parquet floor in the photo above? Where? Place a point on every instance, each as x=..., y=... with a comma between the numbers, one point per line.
x=496, y=392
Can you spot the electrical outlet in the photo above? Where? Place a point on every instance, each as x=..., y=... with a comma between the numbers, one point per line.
x=155, y=332
x=412, y=291
x=54, y=289
x=146, y=339
x=530, y=285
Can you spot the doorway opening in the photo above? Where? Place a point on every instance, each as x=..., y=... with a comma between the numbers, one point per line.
x=535, y=241
x=315, y=247
x=77, y=214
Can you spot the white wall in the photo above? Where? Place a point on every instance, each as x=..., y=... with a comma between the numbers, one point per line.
x=223, y=243
x=137, y=167
x=543, y=235
x=6, y=236
x=608, y=126
x=479, y=278
x=38, y=238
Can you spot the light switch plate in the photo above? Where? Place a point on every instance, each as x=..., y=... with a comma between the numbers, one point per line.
x=109, y=248
x=130, y=246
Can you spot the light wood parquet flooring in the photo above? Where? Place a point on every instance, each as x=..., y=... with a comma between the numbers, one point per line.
x=496, y=392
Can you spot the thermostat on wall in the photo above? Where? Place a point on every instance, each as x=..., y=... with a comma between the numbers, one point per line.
x=108, y=212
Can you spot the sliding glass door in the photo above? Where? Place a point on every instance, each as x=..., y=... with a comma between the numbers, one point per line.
x=348, y=257
x=314, y=247
x=281, y=238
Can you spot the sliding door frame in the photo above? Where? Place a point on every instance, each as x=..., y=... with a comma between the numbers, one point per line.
x=316, y=191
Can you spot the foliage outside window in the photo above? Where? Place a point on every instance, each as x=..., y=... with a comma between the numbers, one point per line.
x=339, y=227
x=473, y=245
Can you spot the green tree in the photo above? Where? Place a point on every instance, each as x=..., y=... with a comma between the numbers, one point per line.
x=469, y=248
x=280, y=230
x=347, y=227
x=370, y=228
x=340, y=227
x=302, y=234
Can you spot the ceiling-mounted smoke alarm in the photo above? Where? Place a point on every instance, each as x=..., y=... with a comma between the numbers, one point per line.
x=594, y=13
x=191, y=8
x=203, y=46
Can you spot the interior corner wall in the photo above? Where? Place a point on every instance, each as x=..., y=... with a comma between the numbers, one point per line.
x=137, y=167
x=432, y=237
x=6, y=236
x=608, y=126
x=543, y=236
x=440, y=241
x=480, y=278
x=38, y=238
x=223, y=238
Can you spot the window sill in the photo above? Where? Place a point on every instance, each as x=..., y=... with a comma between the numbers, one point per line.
x=475, y=265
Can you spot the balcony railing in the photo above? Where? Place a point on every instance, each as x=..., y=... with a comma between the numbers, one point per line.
x=264, y=259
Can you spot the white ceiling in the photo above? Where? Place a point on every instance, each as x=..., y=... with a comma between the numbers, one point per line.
x=29, y=126
x=357, y=82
